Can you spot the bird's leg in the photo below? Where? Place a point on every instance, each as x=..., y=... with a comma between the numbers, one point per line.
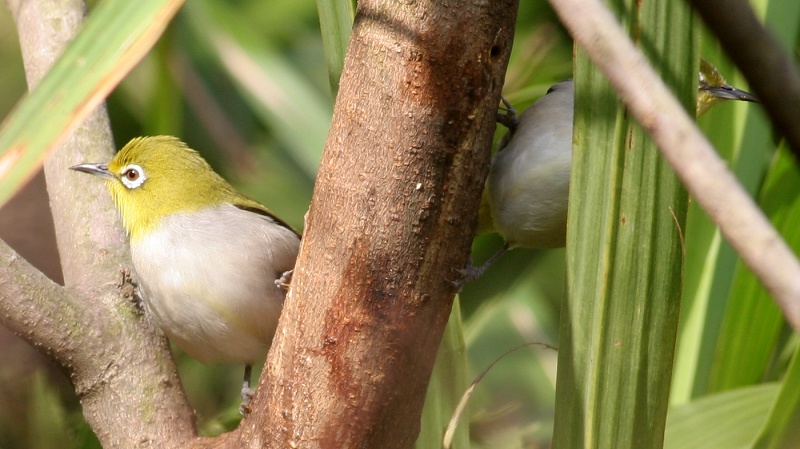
x=247, y=392
x=284, y=281
x=508, y=118
x=471, y=272
x=130, y=289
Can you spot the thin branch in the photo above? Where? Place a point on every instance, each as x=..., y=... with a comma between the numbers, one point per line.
x=688, y=151
x=30, y=302
x=114, y=357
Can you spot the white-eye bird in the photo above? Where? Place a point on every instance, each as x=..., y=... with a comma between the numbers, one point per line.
x=528, y=182
x=207, y=257
x=526, y=193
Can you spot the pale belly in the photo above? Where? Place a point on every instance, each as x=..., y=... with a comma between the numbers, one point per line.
x=209, y=282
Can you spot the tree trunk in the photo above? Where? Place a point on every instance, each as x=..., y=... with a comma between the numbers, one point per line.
x=391, y=221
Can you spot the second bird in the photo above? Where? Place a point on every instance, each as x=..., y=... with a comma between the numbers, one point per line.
x=527, y=190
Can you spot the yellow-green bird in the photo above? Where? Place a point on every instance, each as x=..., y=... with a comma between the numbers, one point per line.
x=526, y=193
x=207, y=257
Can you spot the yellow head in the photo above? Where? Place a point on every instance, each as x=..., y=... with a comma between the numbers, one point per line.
x=713, y=89
x=152, y=177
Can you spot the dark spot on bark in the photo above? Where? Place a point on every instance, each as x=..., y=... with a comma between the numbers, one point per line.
x=494, y=53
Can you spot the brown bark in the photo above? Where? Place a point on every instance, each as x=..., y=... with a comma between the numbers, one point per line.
x=394, y=209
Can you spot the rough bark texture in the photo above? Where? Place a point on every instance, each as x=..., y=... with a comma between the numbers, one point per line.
x=394, y=209
x=119, y=365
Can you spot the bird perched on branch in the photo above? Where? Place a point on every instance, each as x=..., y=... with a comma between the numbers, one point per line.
x=207, y=257
x=526, y=193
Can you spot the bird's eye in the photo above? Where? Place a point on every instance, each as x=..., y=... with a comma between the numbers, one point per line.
x=132, y=176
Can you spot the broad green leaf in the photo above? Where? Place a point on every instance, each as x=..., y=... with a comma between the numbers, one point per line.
x=781, y=430
x=728, y=420
x=624, y=251
x=115, y=37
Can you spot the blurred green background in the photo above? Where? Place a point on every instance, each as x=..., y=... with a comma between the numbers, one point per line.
x=245, y=83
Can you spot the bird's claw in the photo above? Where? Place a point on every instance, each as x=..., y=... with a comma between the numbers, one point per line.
x=470, y=272
x=247, y=397
x=285, y=280
x=247, y=392
x=130, y=289
x=508, y=117
x=467, y=274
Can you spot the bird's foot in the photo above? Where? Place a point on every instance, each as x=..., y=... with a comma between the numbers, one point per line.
x=285, y=280
x=467, y=274
x=470, y=272
x=247, y=392
x=247, y=397
x=508, y=117
x=130, y=291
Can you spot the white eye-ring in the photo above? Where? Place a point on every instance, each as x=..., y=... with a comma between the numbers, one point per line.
x=132, y=176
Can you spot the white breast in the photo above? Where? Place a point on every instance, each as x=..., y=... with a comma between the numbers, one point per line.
x=529, y=179
x=208, y=281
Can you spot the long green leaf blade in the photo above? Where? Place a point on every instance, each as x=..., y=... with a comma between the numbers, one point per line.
x=115, y=37
x=619, y=324
x=728, y=420
x=781, y=430
x=448, y=384
x=753, y=323
x=729, y=325
x=335, y=22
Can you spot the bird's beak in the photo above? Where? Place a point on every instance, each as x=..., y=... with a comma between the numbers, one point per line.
x=100, y=170
x=728, y=92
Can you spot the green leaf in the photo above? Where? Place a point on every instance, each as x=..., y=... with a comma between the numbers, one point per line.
x=729, y=327
x=335, y=22
x=727, y=420
x=624, y=251
x=753, y=323
x=781, y=430
x=710, y=261
x=448, y=383
x=114, y=38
